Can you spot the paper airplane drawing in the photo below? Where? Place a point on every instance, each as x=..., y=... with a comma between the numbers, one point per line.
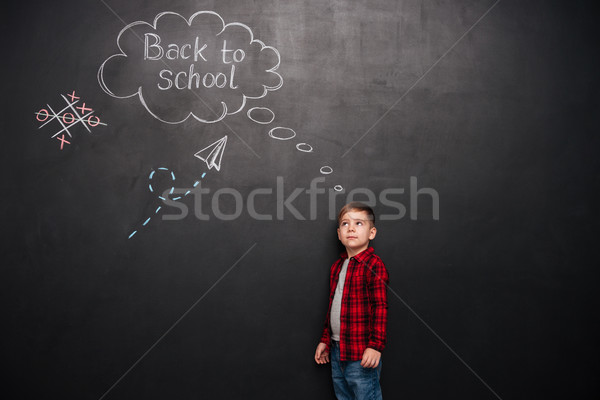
x=212, y=154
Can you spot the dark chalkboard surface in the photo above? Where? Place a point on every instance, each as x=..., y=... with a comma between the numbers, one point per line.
x=174, y=170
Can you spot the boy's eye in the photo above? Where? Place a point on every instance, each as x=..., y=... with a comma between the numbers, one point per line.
x=359, y=223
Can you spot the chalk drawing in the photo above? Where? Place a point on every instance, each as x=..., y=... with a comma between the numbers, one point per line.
x=326, y=170
x=198, y=67
x=63, y=141
x=287, y=133
x=338, y=188
x=255, y=109
x=213, y=154
x=68, y=117
x=283, y=133
x=304, y=147
x=208, y=67
x=150, y=178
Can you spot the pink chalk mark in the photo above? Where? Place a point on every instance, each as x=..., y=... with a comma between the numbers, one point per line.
x=83, y=108
x=72, y=96
x=89, y=121
x=63, y=141
x=72, y=117
x=43, y=112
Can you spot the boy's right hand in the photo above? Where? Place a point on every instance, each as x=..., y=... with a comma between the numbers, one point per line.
x=322, y=355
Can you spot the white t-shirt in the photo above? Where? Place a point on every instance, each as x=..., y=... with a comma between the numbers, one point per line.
x=336, y=304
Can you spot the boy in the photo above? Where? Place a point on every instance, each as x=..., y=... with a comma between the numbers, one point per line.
x=354, y=332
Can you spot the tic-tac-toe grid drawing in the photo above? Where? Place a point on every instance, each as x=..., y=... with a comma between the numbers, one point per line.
x=71, y=115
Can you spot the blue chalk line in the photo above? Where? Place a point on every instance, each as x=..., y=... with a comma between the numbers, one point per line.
x=162, y=198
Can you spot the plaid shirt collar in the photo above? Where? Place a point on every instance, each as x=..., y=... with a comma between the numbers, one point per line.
x=360, y=257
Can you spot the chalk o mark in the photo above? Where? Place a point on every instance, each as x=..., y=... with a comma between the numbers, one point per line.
x=338, y=188
x=274, y=136
x=304, y=147
x=326, y=170
x=258, y=121
x=96, y=121
x=44, y=113
x=71, y=118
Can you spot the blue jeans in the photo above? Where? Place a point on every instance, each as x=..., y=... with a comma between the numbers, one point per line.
x=351, y=381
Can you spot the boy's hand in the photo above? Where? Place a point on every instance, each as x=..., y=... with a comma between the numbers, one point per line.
x=321, y=355
x=370, y=358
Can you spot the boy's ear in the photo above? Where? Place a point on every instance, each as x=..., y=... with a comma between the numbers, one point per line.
x=372, y=233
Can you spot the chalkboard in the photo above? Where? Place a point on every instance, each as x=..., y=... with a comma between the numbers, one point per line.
x=174, y=172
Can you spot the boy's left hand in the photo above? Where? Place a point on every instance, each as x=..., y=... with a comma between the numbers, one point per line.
x=370, y=358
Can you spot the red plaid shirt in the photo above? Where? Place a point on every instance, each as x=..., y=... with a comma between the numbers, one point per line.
x=363, y=315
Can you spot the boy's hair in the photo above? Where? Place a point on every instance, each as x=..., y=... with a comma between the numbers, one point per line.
x=357, y=206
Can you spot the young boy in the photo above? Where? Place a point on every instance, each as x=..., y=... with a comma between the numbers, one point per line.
x=354, y=332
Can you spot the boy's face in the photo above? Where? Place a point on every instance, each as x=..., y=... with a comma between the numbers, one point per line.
x=355, y=231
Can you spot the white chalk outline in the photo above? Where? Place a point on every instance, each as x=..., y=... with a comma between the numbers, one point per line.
x=326, y=172
x=213, y=159
x=310, y=150
x=282, y=138
x=261, y=108
x=225, y=112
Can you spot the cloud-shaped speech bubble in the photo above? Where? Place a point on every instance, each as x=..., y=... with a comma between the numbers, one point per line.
x=199, y=67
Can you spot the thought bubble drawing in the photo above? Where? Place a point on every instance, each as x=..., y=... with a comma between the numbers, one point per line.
x=252, y=114
x=198, y=67
x=284, y=133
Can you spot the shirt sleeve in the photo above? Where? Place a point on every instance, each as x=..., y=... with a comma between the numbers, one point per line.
x=378, y=282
